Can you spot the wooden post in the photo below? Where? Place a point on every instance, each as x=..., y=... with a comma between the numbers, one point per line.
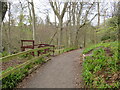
x=29, y=46
x=53, y=50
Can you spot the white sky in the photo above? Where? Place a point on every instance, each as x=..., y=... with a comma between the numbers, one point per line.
x=42, y=5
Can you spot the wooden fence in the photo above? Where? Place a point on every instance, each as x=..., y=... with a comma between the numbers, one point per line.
x=43, y=51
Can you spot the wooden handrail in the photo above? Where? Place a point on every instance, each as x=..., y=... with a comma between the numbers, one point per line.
x=7, y=58
x=5, y=74
x=27, y=40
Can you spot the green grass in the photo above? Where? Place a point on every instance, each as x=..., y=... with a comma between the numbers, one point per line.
x=64, y=50
x=113, y=44
x=5, y=53
x=11, y=80
x=101, y=70
x=14, y=78
x=69, y=49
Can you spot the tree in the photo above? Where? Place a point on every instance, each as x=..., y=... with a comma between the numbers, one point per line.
x=60, y=18
x=9, y=37
x=84, y=22
x=47, y=20
x=30, y=14
x=98, y=6
x=3, y=9
x=33, y=20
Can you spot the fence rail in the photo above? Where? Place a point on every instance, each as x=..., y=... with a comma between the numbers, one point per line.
x=10, y=57
x=16, y=68
x=44, y=51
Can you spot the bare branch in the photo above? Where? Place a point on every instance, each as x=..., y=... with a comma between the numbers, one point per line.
x=87, y=22
x=80, y=12
x=55, y=11
x=87, y=11
x=64, y=9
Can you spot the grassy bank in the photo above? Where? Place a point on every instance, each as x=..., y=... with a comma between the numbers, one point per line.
x=101, y=66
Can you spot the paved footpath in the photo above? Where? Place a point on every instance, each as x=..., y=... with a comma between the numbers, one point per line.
x=63, y=71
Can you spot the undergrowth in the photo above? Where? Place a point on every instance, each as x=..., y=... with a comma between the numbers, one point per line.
x=69, y=49
x=64, y=50
x=101, y=68
x=12, y=80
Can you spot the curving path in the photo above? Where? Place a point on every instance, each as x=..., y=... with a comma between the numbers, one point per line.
x=63, y=71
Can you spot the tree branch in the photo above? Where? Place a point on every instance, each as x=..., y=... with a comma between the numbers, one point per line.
x=87, y=11
x=55, y=11
x=64, y=9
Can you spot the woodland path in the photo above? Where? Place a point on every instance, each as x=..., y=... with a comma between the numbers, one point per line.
x=62, y=71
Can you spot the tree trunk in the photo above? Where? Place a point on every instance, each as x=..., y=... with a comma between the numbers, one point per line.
x=0, y=28
x=104, y=17
x=1, y=50
x=30, y=15
x=67, y=31
x=3, y=9
x=33, y=20
x=98, y=5
x=9, y=37
x=85, y=38
x=78, y=23
x=70, y=30
x=60, y=18
x=60, y=33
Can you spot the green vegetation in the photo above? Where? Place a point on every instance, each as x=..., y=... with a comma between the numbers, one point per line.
x=12, y=80
x=69, y=49
x=13, y=75
x=9, y=57
x=101, y=68
x=72, y=26
x=101, y=65
x=60, y=51
x=110, y=30
x=5, y=53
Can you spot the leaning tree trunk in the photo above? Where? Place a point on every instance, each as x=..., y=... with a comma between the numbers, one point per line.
x=3, y=9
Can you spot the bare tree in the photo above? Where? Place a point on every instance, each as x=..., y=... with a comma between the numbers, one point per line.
x=30, y=14
x=9, y=37
x=98, y=6
x=60, y=17
x=33, y=20
x=104, y=17
x=79, y=14
x=85, y=21
x=0, y=27
x=3, y=9
x=70, y=31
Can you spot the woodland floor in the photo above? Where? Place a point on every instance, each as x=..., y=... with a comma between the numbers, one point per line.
x=62, y=71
